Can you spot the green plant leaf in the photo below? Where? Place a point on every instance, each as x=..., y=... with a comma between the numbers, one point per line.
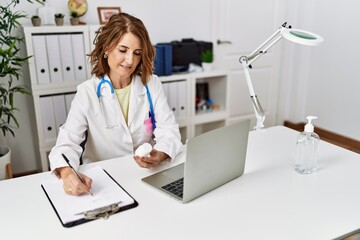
x=207, y=56
x=11, y=63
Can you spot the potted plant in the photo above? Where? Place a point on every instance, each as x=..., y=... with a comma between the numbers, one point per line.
x=74, y=19
x=10, y=70
x=207, y=58
x=59, y=19
x=36, y=20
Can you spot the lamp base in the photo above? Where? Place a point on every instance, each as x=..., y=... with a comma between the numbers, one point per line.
x=259, y=113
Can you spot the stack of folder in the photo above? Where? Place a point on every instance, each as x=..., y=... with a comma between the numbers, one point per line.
x=163, y=60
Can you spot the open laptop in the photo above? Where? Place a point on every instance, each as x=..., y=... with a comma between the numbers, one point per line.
x=212, y=159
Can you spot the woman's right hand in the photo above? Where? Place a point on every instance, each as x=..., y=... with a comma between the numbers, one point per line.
x=72, y=184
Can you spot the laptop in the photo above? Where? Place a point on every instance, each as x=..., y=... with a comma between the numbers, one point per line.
x=211, y=160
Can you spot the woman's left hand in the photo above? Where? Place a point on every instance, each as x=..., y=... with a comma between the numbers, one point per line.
x=156, y=157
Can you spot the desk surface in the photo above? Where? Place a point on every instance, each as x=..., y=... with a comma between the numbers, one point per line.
x=270, y=201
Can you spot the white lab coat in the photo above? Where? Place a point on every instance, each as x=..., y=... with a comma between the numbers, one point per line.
x=105, y=143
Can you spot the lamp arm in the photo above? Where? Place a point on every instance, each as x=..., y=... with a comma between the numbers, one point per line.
x=259, y=112
x=297, y=36
x=262, y=49
x=246, y=63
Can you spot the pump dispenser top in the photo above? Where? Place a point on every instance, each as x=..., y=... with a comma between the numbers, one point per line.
x=309, y=127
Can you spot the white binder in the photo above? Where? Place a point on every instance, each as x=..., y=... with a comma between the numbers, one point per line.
x=48, y=120
x=54, y=59
x=182, y=99
x=68, y=99
x=173, y=99
x=67, y=61
x=165, y=86
x=59, y=111
x=79, y=56
x=40, y=57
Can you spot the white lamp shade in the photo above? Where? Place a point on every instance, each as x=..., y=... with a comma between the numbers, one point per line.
x=301, y=36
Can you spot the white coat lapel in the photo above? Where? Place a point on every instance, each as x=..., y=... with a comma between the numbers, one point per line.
x=137, y=98
x=111, y=109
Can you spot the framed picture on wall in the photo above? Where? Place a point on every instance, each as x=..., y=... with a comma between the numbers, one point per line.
x=106, y=12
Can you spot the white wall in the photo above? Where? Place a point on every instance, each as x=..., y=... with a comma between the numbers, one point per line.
x=165, y=20
x=324, y=80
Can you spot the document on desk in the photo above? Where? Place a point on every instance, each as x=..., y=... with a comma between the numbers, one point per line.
x=74, y=210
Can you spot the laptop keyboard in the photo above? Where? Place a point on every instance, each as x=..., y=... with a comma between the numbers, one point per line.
x=175, y=187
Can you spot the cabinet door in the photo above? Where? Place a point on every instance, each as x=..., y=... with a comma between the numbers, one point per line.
x=242, y=27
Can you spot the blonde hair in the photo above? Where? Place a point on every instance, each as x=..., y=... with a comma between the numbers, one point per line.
x=108, y=37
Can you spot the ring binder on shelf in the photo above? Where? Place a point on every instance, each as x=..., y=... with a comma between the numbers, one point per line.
x=108, y=198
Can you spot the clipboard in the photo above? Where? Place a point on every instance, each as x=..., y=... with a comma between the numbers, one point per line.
x=109, y=198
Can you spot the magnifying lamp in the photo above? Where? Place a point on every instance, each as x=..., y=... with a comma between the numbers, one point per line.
x=293, y=35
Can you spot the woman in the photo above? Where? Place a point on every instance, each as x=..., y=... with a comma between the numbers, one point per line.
x=121, y=107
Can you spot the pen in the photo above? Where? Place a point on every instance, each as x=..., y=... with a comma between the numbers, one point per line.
x=77, y=174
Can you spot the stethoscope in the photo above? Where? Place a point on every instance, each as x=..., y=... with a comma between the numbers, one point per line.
x=109, y=111
x=104, y=81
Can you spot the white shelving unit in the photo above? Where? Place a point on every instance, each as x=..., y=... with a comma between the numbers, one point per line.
x=196, y=122
x=61, y=54
x=44, y=93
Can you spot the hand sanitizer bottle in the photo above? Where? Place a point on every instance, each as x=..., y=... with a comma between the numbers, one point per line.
x=307, y=149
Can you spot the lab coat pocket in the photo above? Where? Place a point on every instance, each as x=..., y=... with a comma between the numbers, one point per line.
x=109, y=110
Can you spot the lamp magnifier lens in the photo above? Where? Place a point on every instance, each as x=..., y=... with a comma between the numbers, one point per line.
x=301, y=36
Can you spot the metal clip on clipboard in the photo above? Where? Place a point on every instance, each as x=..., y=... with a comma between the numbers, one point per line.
x=103, y=212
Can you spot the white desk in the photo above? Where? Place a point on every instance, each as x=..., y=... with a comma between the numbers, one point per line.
x=270, y=201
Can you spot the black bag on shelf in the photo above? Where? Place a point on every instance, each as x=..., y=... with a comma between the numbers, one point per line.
x=188, y=51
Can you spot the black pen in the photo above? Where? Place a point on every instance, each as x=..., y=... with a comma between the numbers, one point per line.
x=77, y=174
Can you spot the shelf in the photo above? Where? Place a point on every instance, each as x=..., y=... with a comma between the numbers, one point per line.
x=195, y=75
x=55, y=29
x=54, y=88
x=174, y=77
x=183, y=122
x=214, y=115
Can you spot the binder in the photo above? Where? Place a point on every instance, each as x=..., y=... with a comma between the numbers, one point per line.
x=53, y=52
x=79, y=56
x=165, y=86
x=108, y=198
x=163, y=60
x=182, y=98
x=67, y=61
x=40, y=57
x=59, y=111
x=172, y=87
x=48, y=120
x=68, y=99
x=168, y=58
x=159, y=60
